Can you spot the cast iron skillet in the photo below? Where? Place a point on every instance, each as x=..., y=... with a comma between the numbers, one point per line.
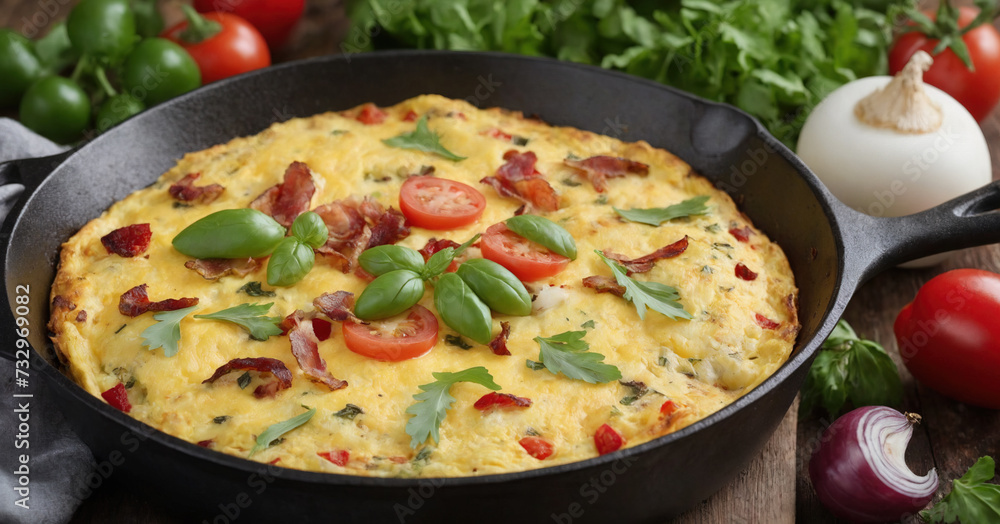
x=832, y=249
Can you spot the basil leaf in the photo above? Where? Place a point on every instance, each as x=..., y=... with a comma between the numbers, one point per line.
x=290, y=262
x=659, y=215
x=567, y=353
x=380, y=260
x=438, y=263
x=274, y=431
x=432, y=405
x=850, y=369
x=461, y=309
x=545, y=232
x=230, y=233
x=390, y=294
x=496, y=286
x=422, y=139
x=310, y=229
x=658, y=297
x=251, y=317
x=166, y=332
x=971, y=499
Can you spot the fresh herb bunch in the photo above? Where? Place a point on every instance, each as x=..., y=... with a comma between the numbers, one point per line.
x=775, y=59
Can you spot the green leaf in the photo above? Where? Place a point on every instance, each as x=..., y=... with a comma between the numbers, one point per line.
x=275, y=431
x=851, y=370
x=251, y=317
x=432, y=405
x=244, y=380
x=658, y=297
x=422, y=139
x=659, y=215
x=389, y=294
x=254, y=290
x=166, y=332
x=567, y=353
x=349, y=412
x=310, y=229
x=545, y=232
x=457, y=341
x=380, y=260
x=971, y=499
x=496, y=286
x=461, y=309
x=588, y=324
x=290, y=262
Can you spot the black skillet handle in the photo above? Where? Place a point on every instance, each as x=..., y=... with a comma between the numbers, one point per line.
x=873, y=244
x=20, y=178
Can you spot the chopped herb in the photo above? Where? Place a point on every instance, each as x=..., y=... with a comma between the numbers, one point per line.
x=569, y=354
x=519, y=140
x=663, y=361
x=422, y=139
x=433, y=403
x=707, y=270
x=166, y=332
x=221, y=418
x=570, y=182
x=424, y=454
x=602, y=199
x=590, y=324
x=615, y=412
x=659, y=215
x=694, y=360
x=571, y=156
x=457, y=341
x=637, y=389
x=337, y=132
x=275, y=431
x=119, y=330
x=658, y=297
x=244, y=380
x=531, y=432
x=714, y=228
x=534, y=366
x=251, y=318
x=349, y=412
x=181, y=205
x=130, y=383
x=254, y=290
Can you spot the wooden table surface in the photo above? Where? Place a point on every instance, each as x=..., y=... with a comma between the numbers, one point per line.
x=775, y=487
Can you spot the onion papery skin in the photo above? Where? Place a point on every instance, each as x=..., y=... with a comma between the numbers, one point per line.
x=859, y=472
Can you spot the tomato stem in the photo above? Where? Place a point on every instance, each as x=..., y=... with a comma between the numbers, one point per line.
x=199, y=28
x=81, y=64
x=102, y=80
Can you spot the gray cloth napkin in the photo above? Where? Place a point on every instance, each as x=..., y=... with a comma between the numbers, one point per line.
x=59, y=464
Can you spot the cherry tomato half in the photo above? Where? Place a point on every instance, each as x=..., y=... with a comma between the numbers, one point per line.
x=405, y=336
x=537, y=447
x=526, y=259
x=438, y=203
x=236, y=49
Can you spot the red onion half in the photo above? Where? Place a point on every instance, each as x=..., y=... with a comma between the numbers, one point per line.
x=859, y=470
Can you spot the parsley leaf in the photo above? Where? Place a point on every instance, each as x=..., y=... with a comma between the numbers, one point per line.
x=274, y=431
x=658, y=297
x=432, y=405
x=567, y=353
x=971, y=498
x=422, y=139
x=849, y=368
x=658, y=215
x=166, y=332
x=254, y=290
x=251, y=318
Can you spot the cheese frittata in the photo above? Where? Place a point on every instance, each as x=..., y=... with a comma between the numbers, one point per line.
x=742, y=330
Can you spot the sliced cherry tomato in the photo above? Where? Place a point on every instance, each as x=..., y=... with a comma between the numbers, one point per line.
x=607, y=440
x=537, y=447
x=275, y=19
x=118, y=398
x=439, y=203
x=405, y=336
x=526, y=259
x=222, y=44
x=338, y=457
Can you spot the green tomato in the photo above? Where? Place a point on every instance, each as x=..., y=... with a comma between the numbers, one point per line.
x=461, y=309
x=290, y=262
x=496, y=286
x=230, y=233
x=310, y=229
x=56, y=108
x=19, y=66
x=102, y=28
x=116, y=109
x=389, y=295
x=380, y=260
x=158, y=70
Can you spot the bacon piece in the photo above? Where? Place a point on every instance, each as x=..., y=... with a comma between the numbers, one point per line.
x=499, y=342
x=128, y=241
x=277, y=369
x=601, y=168
x=61, y=302
x=338, y=457
x=494, y=400
x=518, y=178
x=210, y=443
x=742, y=234
x=390, y=228
x=81, y=316
x=117, y=397
x=337, y=306
x=305, y=348
x=185, y=190
x=216, y=268
x=370, y=114
x=434, y=245
x=355, y=225
x=135, y=302
x=604, y=284
x=289, y=199
x=645, y=263
x=765, y=322
x=744, y=272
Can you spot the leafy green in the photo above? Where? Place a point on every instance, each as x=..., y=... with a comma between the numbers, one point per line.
x=244, y=380
x=440, y=261
x=422, y=139
x=457, y=341
x=849, y=368
x=658, y=215
x=166, y=332
x=254, y=290
x=971, y=499
x=569, y=354
x=349, y=412
x=658, y=297
x=545, y=232
x=251, y=317
x=274, y=431
x=310, y=229
x=432, y=405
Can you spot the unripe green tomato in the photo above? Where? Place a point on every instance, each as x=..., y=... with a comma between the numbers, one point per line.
x=56, y=108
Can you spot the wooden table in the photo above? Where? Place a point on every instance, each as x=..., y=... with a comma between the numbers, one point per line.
x=775, y=487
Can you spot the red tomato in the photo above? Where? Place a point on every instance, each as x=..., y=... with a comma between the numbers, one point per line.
x=607, y=440
x=371, y=115
x=236, y=49
x=118, y=398
x=949, y=336
x=668, y=408
x=438, y=203
x=537, y=447
x=338, y=457
x=526, y=259
x=979, y=90
x=394, y=339
x=275, y=19
x=494, y=400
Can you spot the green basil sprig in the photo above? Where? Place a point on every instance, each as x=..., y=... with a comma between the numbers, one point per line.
x=461, y=309
x=294, y=257
x=230, y=233
x=390, y=294
x=310, y=229
x=422, y=139
x=545, y=232
x=380, y=260
x=496, y=286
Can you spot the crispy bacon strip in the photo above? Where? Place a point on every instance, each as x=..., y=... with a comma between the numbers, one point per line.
x=216, y=268
x=744, y=272
x=645, y=263
x=518, y=178
x=355, y=225
x=305, y=348
x=390, y=228
x=185, y=190
x=604, y=284
x=494, y=400
x=263, y=365
x=128, y=241
x=321, y=328
x=289, y=199
x=434, y=245
x=600, y=168
x=337, y=306
x=499, y=342
x=135, y=302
